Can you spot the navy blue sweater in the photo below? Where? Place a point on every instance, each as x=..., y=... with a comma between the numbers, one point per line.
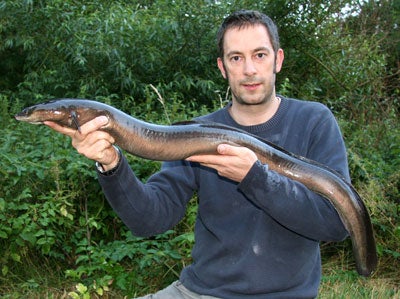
x=254, y=239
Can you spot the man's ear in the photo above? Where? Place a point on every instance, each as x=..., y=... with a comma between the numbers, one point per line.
x=221, y=67
x=280, y=56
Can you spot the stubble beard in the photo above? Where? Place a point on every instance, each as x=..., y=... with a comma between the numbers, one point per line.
x=241, y=100
x=268, y=97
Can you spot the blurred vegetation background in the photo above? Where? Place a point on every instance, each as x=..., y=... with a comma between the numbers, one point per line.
x=156, y=60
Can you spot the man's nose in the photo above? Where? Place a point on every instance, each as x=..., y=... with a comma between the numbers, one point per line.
x=249, y=67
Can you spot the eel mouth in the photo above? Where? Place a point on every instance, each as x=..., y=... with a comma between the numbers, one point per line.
x=25, y=118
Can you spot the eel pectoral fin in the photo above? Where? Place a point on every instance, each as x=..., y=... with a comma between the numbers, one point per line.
x=74, y=118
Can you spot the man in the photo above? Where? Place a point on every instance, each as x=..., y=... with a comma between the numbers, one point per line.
x=257, y=232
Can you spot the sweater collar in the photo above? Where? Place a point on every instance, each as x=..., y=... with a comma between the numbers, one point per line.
x=254, y=129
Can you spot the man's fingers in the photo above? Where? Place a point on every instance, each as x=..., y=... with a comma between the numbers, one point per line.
x=94, y=124
x=233, y=162
x=223, y=150
x=63, y=130
x=90, y=141
x=229, y=150
x=203, y=159
x=85, y=129
x=79, y=139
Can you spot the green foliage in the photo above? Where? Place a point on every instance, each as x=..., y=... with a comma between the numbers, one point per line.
x=51, y=205
x=103, y=48
x=156, y=61
x=375, y=174
x=40, y=187
x=120, y=262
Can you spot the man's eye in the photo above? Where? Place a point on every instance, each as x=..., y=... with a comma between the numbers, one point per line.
x=261, y=55
x=235, y=58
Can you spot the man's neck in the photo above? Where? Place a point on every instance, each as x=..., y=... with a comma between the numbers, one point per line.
x=250, y=115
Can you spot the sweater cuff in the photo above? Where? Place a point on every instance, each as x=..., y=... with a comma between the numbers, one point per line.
x=257, y=174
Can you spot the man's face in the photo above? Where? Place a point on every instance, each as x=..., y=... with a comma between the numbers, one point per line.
x=250, y=64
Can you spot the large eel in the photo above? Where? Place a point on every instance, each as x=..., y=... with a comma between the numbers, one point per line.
x=166, y=143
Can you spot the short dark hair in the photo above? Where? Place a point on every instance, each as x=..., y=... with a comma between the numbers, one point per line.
x=243, y=18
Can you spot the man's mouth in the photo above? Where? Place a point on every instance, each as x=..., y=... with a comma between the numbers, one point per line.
x=251, y=86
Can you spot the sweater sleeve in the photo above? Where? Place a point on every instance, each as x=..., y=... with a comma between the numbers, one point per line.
x=149, y=208
x=290, y=202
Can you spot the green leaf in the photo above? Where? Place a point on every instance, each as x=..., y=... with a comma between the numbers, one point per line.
x=3, y=234
x=16, y=257
x=81, y=288
x=28, y=236
x=2, y=204
x=73, y=295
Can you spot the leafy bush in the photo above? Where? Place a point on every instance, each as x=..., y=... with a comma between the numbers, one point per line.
x=51, y=205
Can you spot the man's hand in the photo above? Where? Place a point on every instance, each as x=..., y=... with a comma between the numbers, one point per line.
x=233, y=162
x=91, y=142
